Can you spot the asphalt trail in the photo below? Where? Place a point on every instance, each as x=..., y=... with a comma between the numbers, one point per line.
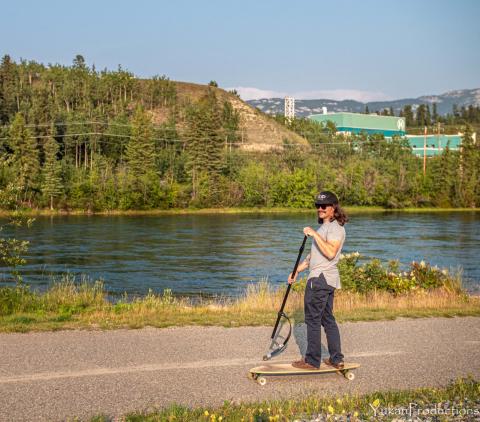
x=59, y=375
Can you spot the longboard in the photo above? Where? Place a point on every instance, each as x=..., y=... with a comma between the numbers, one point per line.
x=259, y=373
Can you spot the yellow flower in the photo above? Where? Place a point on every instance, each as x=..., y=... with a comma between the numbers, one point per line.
x=206, y=413
x=355, y=413
x=376, y=403
x=220, y=418
x=331, y=409
x=339, y=401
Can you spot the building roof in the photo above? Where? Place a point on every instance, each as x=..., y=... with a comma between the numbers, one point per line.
x=358, y=121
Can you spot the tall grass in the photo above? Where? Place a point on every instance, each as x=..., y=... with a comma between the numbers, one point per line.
x=69, y=304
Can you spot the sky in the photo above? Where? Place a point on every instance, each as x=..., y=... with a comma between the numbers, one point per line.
x=365, y=50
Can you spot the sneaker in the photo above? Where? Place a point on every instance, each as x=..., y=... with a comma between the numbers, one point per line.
x=301, y=364
x=338, y=365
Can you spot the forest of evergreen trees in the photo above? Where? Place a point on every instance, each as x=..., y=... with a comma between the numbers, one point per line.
x=73, y=137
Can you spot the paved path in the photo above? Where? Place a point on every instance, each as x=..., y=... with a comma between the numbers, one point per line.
x=59, y=375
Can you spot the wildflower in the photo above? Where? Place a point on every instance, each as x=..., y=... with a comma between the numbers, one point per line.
x=444, y=272
x=422, y=263
x=220, y=418
x=355, y=413
x=376, y=403
x=206, y=413
x=331, y=409
x=339, y=401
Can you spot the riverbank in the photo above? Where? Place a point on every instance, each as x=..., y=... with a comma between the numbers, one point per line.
x=348, y=209
x=67, y=305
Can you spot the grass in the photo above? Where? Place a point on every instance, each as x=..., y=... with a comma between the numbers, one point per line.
x=84, y=305
x=458, y=398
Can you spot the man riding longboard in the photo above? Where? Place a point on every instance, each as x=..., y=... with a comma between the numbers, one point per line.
x=323, y=280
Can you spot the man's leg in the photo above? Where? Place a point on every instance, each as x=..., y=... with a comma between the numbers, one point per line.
x=314, y=304
x=331, y=331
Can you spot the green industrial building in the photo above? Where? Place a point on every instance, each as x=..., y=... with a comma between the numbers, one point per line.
x=433, y=144
x=388, y=126
x=354, y=123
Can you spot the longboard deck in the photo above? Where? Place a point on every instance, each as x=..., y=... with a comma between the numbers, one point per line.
x=272, y=369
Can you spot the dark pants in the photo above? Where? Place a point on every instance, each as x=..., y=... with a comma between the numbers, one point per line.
x=319, y=311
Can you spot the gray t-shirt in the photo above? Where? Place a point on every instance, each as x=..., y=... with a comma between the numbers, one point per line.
x=319, y=263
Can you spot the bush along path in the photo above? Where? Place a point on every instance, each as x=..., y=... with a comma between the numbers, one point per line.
x=370, y=291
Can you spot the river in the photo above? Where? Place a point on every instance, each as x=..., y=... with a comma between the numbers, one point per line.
x=219, y=254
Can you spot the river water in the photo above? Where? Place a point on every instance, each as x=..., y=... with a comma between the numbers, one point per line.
x=222, y=253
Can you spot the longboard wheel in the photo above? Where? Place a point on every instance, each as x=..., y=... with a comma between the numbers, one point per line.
x=262, y=380
x=349, y=376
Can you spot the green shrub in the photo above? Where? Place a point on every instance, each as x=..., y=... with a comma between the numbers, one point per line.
x=16, y=299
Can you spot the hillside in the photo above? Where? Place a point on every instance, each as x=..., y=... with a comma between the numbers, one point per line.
x=258, y=131
x=103, y=154
x=303, y=108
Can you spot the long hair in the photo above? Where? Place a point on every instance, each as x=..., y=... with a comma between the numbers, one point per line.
x=338, y=214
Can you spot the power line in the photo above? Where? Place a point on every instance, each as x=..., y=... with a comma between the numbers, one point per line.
x=187, y=138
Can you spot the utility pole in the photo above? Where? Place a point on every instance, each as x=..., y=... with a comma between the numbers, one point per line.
x=425, y=152
x=438, y=138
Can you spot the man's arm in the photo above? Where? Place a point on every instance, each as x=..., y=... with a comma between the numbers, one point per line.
x=301, y=267
x=329, y=249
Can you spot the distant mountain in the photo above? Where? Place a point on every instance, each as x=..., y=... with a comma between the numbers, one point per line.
x=303, y=108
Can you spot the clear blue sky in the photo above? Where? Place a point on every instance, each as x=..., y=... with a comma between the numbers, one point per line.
x=367, y=48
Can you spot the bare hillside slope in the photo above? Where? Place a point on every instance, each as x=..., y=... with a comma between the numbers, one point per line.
x=258, y=131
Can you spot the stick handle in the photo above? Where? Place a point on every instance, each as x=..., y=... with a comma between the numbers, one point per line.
x=280, y=313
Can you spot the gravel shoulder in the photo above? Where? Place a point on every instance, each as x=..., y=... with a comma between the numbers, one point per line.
x=58, y=375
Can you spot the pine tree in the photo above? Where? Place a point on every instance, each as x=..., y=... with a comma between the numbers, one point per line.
x=434, y=112
x=420, y=115
x=25, y=154
x=140, y=154
x=8, y=100
x=52, y=182
x=408, y=114
x=205, y=143
x=470, y=170
x=428, y=117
